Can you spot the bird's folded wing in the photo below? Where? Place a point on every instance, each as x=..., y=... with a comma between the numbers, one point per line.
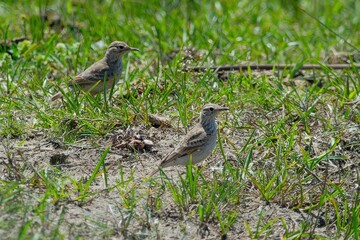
x=192, y=142
x=195, y=138
x=96, y=72
x=79, y=80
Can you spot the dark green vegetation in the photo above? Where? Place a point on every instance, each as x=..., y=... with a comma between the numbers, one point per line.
x=288, y=159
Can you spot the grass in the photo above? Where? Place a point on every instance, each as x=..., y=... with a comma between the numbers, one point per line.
x=286, y=163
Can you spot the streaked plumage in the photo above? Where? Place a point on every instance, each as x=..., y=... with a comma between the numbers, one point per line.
x=107, y=70
x=198, y=142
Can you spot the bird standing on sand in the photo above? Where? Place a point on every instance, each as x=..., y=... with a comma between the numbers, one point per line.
x=198, y=143
x=106, y=71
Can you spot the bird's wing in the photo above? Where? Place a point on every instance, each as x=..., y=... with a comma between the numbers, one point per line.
x=96, y=72
x=192, y=142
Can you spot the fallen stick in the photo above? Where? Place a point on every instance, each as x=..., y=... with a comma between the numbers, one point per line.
x=241, y=67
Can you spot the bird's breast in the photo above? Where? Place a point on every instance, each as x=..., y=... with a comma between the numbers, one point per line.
x=118, y=70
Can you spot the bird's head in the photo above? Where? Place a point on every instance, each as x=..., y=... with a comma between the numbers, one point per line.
x=210, y=111
x=117, y=49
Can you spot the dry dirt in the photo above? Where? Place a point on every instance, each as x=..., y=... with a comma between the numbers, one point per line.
x=103, y=215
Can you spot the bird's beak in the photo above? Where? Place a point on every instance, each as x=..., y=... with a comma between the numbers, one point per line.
x=133, y=49
x=223, y=108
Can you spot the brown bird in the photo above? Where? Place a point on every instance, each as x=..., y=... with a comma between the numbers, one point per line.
x=105, y=71
x=198, y=142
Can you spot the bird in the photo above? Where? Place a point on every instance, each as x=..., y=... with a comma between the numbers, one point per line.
x=198, y=143
x=107, y=70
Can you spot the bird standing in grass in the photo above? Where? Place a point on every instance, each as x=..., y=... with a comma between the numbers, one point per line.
x=198, y=143
x=105, y=71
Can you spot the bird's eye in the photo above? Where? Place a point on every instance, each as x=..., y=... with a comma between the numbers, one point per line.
x=211, y=109
x=121, y=47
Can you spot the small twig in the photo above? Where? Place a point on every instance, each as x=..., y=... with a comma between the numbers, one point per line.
x=242, y=67
x=313, y=174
